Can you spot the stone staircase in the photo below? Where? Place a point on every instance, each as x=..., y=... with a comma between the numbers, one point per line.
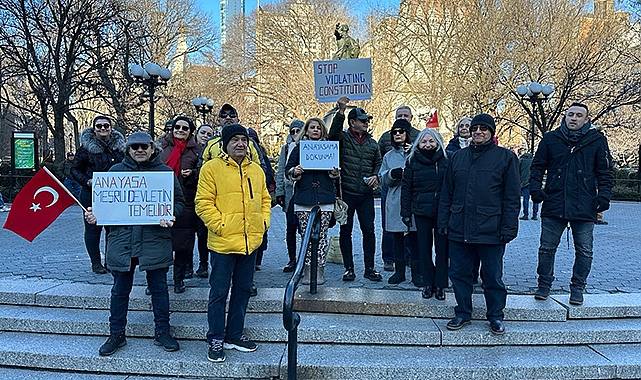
x=52, y=329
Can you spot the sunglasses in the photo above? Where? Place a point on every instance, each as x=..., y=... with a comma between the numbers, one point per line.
x=398, y=132
x=183, y=127
x=294, y=131
x=138, y=146
x=224, y=115
x=102, y=126
x=483, y=128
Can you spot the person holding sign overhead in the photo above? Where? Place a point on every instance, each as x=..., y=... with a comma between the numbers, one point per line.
x=360, y=159
x=148, y=246
x=311, y=188
x=180, y=151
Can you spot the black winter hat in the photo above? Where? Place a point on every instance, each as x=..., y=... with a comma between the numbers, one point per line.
x=484, y=119
x=230, y=131
x=402, y=124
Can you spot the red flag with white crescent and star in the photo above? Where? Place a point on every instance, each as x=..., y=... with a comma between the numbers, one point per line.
x=433, y=121
x=37, y=205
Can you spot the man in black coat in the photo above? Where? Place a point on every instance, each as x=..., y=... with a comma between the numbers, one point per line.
x=478, y=212
x=577, y=160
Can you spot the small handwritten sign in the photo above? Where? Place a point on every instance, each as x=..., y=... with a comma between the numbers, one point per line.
x=345, y=77
x=132, y=198
x=319, y=155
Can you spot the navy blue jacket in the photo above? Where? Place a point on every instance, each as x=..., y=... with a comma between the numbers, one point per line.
x=576, y=174
x=481, y=195
x=422, y=182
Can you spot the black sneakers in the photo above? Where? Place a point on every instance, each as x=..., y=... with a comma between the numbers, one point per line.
x=349, y=275
x=179, y=287
x=541, y=293
x=242, y=343
x=372, y=275
x=291, y=265
x=202, y=271
x=113, y=343
x=254, y=290
x=165, y=340
x=216, y=353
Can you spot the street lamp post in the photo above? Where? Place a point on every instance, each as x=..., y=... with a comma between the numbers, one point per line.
x=203, y=106
x=71, y=142
x=151, y=76
x=536, y=94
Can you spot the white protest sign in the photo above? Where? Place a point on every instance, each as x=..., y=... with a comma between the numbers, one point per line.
x=345, y=77
x=132, y=198
x=319, y=155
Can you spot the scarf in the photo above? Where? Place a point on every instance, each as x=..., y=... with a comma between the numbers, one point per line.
x=173, y=161
x=574, y=136
x=464, y=142
x=428, y=153
x=360, y=139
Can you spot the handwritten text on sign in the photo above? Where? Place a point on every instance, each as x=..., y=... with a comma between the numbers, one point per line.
x=132, y=198
x=345, y=77
x=319, y=155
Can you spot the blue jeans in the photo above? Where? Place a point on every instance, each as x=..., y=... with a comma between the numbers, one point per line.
x=363, y=204
x=157, y=284
x=526, y=202
x=72, y=186
x=226, y=270
x=461, y=262
x=551, y=231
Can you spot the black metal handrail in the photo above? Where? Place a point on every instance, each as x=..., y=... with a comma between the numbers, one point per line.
x=291, y=319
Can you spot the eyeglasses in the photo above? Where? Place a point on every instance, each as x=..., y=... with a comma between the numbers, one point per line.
x=224, y=115
x=483, y=128
x=294, y=131
x=397, y=132
x=138, y=146
x=102, y=126
x=183, y=127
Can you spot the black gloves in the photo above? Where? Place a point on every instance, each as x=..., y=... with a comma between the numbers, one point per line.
x=407, y=220
x=280, y=200
x=506, y=239
x=396, y=173
x=442, y=231
x=538, y=196
x=602, y=204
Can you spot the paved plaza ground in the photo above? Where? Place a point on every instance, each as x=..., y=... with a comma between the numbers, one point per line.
x=59, y=253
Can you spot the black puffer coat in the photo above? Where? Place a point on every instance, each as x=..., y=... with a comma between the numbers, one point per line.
x=314, y=187
x=357, y=160
x=422, y=182
x=96, y=155
x=574, y=173
x=151, y=244
x=481, y=195
x=184, y=229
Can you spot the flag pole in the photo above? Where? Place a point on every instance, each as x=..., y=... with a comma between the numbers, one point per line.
x=65, y=188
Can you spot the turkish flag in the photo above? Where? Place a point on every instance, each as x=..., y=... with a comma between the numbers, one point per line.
x=37, y=205
x=433, y=121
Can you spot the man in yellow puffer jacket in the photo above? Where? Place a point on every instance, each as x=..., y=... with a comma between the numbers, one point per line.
x=233, y=202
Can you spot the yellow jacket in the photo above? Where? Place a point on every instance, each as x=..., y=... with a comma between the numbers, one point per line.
x=213, y=148
x=234, y=204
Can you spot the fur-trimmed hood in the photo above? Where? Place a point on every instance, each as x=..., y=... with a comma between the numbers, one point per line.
x=95, y=145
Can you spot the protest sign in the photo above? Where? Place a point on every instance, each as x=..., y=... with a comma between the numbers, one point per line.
x=319, y=155
x=132, y=198
x=345, y=77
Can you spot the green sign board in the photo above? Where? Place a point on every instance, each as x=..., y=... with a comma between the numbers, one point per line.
x=25, y=153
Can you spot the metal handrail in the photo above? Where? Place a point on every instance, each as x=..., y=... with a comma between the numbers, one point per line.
x=291, y=319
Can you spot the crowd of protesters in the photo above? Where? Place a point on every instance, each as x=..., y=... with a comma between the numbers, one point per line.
x=448, y=209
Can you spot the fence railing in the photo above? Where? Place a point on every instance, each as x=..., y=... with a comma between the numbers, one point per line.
x=291, y=319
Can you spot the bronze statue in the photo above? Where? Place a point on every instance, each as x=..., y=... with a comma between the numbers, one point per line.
x=348, y=48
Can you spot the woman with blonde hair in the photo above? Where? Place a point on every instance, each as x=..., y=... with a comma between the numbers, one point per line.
x=311, y=188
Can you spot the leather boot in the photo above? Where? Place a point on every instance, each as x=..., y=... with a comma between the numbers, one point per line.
x=306, y=275
x=320, y=275
x=417, y=279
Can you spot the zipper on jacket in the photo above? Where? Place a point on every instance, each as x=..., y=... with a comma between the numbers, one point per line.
x=251, y=192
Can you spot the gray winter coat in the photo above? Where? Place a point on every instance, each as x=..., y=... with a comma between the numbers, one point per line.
x=151, y=244
x=395, y=158
x=284, y=186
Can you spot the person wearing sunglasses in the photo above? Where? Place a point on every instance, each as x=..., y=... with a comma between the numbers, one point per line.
x=147, y=246
x=479, y=213
x=391, y=175
x=285, y=191
x=102, y=147
x=180, y=151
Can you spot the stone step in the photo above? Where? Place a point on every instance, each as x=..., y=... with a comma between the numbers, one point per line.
x=325, y=361
x=330, y=328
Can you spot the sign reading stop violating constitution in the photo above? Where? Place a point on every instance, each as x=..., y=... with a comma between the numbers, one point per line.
x=346, y=77
x=132, y=198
